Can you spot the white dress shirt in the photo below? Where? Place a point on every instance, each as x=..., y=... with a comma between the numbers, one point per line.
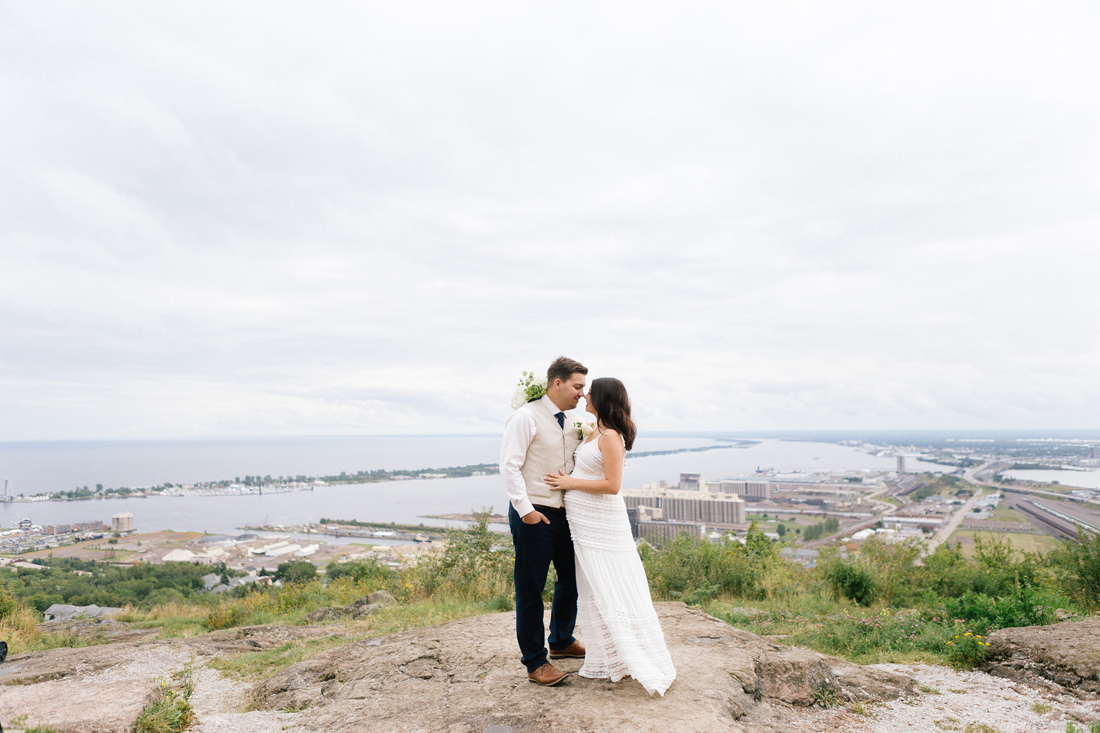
x=519, y=431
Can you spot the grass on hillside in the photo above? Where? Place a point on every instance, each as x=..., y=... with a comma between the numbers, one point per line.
x=19, y=628
x=942, y=485
x=259, y=665
x=872, y=606
x=844, y=629
x=793, y=527
x=1005, y=513
x=175, y=620
x=1019, y=541
x=384, y=621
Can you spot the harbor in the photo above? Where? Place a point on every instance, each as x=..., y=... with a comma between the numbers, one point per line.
x=388, y=532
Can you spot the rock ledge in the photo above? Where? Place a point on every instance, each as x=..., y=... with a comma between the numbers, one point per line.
x=1061, y=657
x=458, y=677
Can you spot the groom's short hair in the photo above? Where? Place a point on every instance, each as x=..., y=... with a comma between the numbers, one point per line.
x=562, y=369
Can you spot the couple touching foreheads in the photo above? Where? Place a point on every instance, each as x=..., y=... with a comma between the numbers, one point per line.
x=563, y=487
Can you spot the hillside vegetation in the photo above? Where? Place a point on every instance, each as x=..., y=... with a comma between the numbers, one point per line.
x=875, y=605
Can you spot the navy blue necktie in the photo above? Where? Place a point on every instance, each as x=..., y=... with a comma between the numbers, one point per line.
x=561, y=419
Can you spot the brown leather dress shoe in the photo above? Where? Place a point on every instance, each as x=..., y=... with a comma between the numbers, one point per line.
x=547, y=675
x=573, y=651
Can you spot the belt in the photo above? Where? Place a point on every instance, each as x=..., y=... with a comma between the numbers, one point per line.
x=541, y=508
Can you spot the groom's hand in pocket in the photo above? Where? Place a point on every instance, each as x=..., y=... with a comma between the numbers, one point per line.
x=534, y=517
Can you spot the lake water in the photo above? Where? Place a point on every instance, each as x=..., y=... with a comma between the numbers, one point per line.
x=1085, y=479
x=61, y=466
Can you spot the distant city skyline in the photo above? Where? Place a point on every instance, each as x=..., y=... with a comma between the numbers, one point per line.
x=271, y=220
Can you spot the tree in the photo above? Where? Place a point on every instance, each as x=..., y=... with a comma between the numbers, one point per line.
x=296, y=571
x=358, y=570
x=781, y=530
x=757, y=543
x=1080, y=564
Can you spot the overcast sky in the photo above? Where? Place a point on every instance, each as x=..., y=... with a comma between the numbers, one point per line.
x=232, y=219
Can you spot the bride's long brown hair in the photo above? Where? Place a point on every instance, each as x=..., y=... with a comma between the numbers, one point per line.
x=612, y=406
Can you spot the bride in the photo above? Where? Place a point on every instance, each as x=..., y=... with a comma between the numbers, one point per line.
x=621, y=631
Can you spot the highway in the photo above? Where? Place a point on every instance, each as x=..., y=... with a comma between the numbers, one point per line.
x=941, y=534
x=972, y=477
x=1015, y=496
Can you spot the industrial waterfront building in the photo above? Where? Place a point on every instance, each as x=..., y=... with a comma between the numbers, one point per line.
x=657, y=532
x=688, y=506
x=122, y=523
x=649, y=524
x=76, y=527
x=745, y=488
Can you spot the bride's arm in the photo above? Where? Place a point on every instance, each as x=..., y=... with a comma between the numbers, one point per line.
x=611, y=447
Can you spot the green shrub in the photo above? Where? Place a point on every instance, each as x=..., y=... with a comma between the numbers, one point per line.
x=162, y=597
x=296, y=571
x=476, y=565
x=167, y=712
x=869, y=637
x=967, y=650
x=693, y=570
x=851, y=582
x=503, y=602
x=1088, y=728
x=998, y=573
x=225, y=616
x=946, y=572
x=369, y=572
x=1027, y=608
x=821, y=529
x=891, y=565
x=1079, y=565
x=42, y=601
x=8, y=604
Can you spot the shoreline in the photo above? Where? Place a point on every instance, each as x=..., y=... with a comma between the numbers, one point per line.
x=260, y=486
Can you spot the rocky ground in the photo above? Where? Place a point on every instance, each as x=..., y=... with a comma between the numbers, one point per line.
x=464, y=677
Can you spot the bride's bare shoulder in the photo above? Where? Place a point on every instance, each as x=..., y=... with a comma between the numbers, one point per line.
x=611, y=436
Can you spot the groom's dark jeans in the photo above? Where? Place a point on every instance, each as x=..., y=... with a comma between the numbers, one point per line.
x=538, y=545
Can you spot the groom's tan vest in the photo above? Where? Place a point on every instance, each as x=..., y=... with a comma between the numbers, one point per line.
x=550, y=451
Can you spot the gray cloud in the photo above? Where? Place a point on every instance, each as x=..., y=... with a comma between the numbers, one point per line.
x=266, y=219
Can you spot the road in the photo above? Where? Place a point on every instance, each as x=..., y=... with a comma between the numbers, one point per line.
x=940, y=536
x=864, y=524
x=972, y=477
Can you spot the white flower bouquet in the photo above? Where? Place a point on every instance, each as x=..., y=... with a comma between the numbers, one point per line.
x=584, y=429
x=529, y=389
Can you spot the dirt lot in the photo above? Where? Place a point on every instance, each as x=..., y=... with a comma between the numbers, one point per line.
x=123, y=549
x=1020, y=541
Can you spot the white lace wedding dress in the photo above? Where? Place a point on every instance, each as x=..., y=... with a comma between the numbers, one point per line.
x=622, y=635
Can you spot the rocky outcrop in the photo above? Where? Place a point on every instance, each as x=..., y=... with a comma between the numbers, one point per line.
x=361, y=608
x=728, y=680
x=98, y=689
x=1065, y=656
x=459, y=677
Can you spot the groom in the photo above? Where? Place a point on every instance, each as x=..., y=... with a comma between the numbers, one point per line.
x=539, y=438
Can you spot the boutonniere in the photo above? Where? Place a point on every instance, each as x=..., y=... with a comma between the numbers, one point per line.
x=584, y=429
x=529, y=389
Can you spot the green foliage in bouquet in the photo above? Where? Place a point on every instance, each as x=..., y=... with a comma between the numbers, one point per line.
x=529, y=389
